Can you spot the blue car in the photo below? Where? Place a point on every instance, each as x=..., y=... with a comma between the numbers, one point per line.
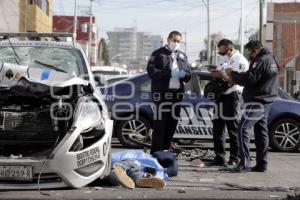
x=129, y=102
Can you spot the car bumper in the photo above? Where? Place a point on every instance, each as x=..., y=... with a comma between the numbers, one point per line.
x=64, y=168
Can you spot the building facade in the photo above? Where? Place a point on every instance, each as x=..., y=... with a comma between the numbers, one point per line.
x=65, y=24
x=26, y=16
x=10, y=17
x=129, y=47
x=282, y=36
x=35, y=15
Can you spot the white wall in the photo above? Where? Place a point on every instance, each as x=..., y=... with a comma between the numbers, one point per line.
x=9, y=15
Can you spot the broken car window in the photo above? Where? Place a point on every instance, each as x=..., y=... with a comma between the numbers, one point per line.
x=65, y=60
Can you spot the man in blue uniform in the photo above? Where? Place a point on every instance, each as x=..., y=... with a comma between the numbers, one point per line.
x=168, y=69
x=260, y=90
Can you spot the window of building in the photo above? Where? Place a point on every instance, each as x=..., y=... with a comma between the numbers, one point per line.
x=32, y=2
x=43, y=5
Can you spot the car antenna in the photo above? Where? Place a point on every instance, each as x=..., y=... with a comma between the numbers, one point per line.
x=16, y=55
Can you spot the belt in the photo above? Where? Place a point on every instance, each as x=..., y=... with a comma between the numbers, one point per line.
x=234, y=92
x=173, y=90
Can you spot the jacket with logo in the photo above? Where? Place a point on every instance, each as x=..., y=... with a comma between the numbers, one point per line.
x=261, y=80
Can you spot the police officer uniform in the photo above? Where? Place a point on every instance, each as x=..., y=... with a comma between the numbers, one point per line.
x=260, y=90
x=228, y=111
x=166, y=91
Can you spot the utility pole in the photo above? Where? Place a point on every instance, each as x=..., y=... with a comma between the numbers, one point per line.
x=206, y=4
x=185, y=41
x=295, y=38
x=90, y=30
x=296, y=54
x=208, y=34
x=75, y=22
x=261, y=13
x=242, y=27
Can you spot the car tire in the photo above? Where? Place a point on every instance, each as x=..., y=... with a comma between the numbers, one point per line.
x=139, y=126
x=285, y=135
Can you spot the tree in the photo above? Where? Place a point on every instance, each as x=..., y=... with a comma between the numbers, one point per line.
x=104, y=53
x=214, y=38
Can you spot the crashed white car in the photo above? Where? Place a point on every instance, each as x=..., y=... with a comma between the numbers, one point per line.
x=55, y=130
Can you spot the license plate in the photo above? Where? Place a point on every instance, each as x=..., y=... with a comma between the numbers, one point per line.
x=18, y=173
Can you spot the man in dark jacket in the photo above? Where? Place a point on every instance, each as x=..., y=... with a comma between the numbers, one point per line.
x=168, y=69
x=260, y=90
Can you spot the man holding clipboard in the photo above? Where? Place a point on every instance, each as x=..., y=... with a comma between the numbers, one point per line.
x=227, y=104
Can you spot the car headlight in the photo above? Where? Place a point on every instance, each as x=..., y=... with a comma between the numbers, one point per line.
x=105, y=112
x=87, y=116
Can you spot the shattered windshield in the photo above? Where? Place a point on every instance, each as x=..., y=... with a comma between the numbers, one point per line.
x=63, y=60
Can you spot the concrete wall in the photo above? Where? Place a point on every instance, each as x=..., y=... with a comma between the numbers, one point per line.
x=9, y=16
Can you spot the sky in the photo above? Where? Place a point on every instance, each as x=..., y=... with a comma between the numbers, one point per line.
x=162, y=16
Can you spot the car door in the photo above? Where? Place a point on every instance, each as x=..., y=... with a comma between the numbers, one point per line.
x=197, y=111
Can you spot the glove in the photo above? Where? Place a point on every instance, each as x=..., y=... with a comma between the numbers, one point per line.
x=175, y=74
x=182, y=74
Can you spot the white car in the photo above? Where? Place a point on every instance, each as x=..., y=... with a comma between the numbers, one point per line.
x=105, y=73
x=55, y=130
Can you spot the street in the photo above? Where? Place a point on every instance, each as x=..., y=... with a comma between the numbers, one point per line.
x=281, y=179
x=83, y=79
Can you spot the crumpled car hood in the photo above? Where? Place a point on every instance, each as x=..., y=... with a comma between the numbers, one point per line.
x=10, y=72
x=18, y=80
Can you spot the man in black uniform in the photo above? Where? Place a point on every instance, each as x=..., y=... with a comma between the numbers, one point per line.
x=260, y=90
x=168, y=69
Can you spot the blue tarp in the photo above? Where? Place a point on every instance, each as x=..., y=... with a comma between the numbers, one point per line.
x=144, y=159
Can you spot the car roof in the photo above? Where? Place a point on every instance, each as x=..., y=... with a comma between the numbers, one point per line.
x=107, y=68
x=195, y=72
x=121, y=76
x=51, y=44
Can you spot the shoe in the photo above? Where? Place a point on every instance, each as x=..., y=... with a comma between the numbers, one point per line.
x=216, y=163
x=258, y=169
x=151, y=182
x=240, y=169
x=123, y=178
x=229, y=167
x=232, y=163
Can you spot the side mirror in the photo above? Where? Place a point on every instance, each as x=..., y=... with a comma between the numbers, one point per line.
x=98, y=80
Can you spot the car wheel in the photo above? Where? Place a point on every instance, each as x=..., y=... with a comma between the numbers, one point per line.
x=285, y=135
x=137, y=127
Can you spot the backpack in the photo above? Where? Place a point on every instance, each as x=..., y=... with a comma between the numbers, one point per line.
x=168, y=161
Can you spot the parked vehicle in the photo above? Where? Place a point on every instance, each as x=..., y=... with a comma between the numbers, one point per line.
x=124, y=100
x=105, y=73
x=55, y=130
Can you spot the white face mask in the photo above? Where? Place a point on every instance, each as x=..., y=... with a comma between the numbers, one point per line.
x=174, y=46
